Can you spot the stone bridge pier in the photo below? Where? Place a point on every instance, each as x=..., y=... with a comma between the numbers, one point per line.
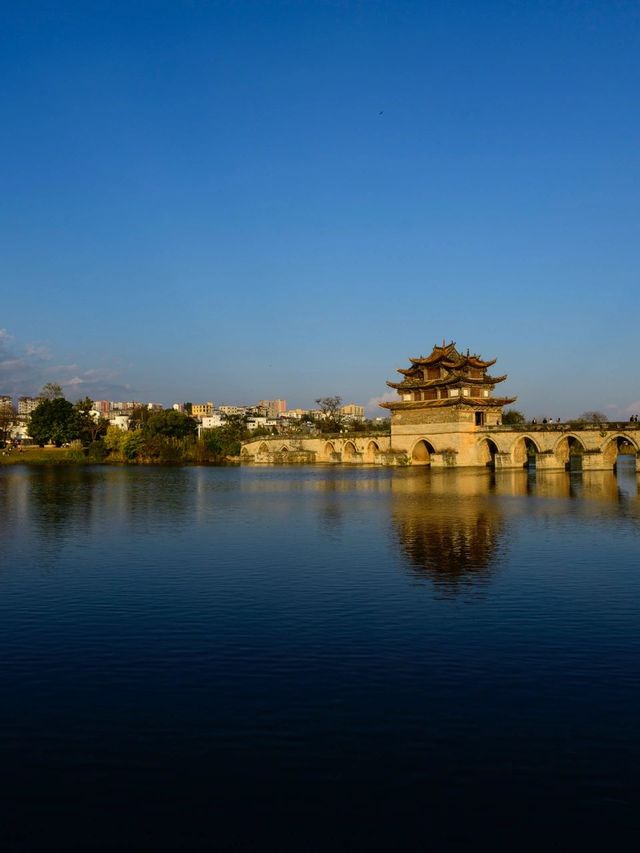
x=565, y=447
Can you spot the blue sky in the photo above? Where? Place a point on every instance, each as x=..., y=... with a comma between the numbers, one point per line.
x=238, y=200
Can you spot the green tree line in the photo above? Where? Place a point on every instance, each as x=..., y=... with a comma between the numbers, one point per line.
x=165, y=436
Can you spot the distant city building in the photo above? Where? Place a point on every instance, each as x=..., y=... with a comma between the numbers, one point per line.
x=128, y=406
x=178, y=407
x=233, y=410
x=296, y=414
x=256, y=421
x=273, y=408
x=26, y=405
x=6, y=403
x=19, y=431
x=155, y=407
x=202, y=410
x=121, y=421
x=212, y=421
x=102, y=406
x=352, y=412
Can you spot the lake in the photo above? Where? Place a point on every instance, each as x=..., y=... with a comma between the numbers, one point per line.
x=318, y=658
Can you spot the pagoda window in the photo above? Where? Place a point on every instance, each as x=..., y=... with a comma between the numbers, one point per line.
x=465, y=392
x=433, y=373
x=454, y=392
x=417, y=395
x=431, y=394
x=485, y=393
x=406, y=397
x=474, y=373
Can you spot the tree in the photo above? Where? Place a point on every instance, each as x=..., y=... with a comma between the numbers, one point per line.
x=54, y=420
x=593, y=417
x=51, y=391
x=90, y=429
x=138, y=417
x=7, y=420
x=132, y=444
x=170, y=424
x=226, y=440
x=113, y=439
x=513, y=417
x=332, y=419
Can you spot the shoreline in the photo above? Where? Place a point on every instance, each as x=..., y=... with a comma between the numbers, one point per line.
x=43, y=457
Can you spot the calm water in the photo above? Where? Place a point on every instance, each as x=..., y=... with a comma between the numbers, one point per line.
x=314, y=659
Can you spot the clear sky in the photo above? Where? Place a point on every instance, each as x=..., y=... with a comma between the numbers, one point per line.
x=244, y=200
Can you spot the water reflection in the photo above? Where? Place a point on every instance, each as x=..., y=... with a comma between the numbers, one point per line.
x=219, y=638
x=43, y=509
x=450, y=527
x=453, y=526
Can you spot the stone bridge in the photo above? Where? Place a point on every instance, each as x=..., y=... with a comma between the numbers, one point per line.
x=546, y=446
x=352, y=449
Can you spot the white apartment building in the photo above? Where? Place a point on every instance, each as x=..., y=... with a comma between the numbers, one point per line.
x=26, y=405
x=211, y=421
x=256, y=421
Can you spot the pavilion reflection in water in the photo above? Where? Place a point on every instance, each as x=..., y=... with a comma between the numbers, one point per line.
x=450, y=528
x=453, y=526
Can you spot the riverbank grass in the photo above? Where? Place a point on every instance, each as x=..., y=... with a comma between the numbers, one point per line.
x=40, y=456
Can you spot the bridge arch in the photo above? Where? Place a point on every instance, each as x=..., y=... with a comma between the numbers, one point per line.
x=328, y=452
x=524, y=450
x=284, y=449
x=372, y=449
x=264, y=448
x=349, y=452
x=487, y=449
x=421, y=452
x=568, y=450
x=617, y=444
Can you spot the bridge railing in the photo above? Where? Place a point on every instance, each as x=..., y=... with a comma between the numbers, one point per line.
x=565, y=426
x=320, y=435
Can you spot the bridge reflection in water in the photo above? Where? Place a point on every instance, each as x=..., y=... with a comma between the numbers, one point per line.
x=454, y=527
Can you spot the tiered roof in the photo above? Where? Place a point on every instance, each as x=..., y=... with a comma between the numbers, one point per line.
x=444, y=369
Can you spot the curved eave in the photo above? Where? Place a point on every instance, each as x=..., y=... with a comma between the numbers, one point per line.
x=438, y=354
x=474, y=361
x=474, y=402
x=450, y=381
x=452, y=360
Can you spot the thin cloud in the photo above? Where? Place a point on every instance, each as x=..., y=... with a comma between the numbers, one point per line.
x=25, y=369
x=373, y=405
x=37, y=351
